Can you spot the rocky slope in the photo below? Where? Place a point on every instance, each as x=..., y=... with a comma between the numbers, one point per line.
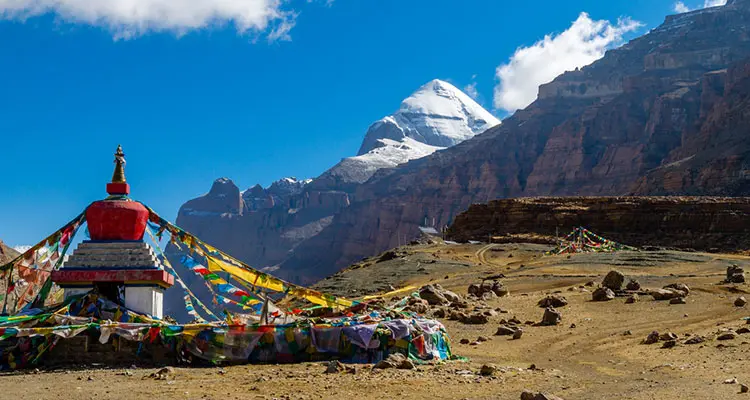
x=700, y=223
x=262, y=226
x=6, y=253
x=664, y=114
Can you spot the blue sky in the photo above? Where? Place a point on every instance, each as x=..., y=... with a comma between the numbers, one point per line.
x=288, y=93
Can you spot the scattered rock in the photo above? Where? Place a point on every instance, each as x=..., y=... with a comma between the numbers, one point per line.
x=334, y=367
x=695, y=340
x=728, y=335
x=743, y=330
x=744, y=388
x=590, y=283
x=551, y=317
x=633, y=285
x=439, y=313
x=680, y=287
x=433, y=294
x=730, y=381
x=553, y=301
x=613, y=280
x=678, y=300
x=504, y=330
x=162, y=374
x=475, y=319
x=483, y=339
x=668, y=336
x=396, y=360
x=487, y=370
x=669, y=344
x=665, y=294
x=517, y=335
x=735, y=274
x=603, y=294
x=740, y=302
x=526, y=395
x=652, y=338
x=633, y=298
x=464, y=341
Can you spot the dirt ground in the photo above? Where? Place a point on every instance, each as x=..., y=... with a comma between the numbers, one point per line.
x=596, y=353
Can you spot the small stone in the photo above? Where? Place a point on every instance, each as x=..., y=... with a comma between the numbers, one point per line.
x=740, y=302
x=669, y=344
x=551, y=317
x=730, y=381
x=439, y=313
x=553, y=301
x=729, y=335
x=680, y=287
x=744, y=388
x=487, y=370
x=590, y=283
x=517, y=334
x=526, y=395
x=627, y=333
x=572, y=326
x=603, y=294
x=464, y=341
x=678, y=300
x=743, y=330
x=695, y=340
x=633, y=298
x=652, y=338
x=633, y=285
x=667, y=336
x=334, y=367
x=504, y=330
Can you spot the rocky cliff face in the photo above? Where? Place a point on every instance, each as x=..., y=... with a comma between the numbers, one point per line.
x=701, y=223
x=664, y=114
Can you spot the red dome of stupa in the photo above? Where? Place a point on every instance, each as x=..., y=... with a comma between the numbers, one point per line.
x=117, y=217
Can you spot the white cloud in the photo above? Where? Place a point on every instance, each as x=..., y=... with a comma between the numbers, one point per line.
x=128, y=18
x=583, y=43
x=471, y=89
x=680, y=7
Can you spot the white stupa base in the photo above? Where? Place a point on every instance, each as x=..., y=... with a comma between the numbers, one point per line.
x=145, y=299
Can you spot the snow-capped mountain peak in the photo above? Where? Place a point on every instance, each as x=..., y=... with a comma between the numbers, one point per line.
x=436, y=116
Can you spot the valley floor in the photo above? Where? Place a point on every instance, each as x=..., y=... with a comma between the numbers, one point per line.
x=588, y=356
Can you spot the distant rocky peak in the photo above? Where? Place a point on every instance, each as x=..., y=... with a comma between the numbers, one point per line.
x=223, y=186
x=288, y=186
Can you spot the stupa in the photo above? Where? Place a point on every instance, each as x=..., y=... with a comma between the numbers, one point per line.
x=116, y=262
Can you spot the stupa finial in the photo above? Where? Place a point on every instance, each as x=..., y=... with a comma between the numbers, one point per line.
x=118, y=186
x=119, y=175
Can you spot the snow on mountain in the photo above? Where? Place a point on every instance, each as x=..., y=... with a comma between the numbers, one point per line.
x=436, y=116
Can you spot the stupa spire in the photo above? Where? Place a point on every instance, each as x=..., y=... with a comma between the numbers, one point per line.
x=118, y=186
x=119, y=175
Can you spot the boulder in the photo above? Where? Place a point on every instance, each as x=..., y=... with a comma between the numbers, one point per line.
x=506, y=330
x=740, y=301
x=678, y=300
x=433, y=294
x=695, y=340
x=518, y=334
x=439, y=313
x=499, y=289
x=487, y=370
x=452, y=297
x=551, y=317
x=735, y=274
x=614, y=280
x=680, y=287
x=474, y=289
x=553, y=301
x=652, y=338
x=602, y=294
x=633, y=285
x=729, y=335
x=665, y=294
